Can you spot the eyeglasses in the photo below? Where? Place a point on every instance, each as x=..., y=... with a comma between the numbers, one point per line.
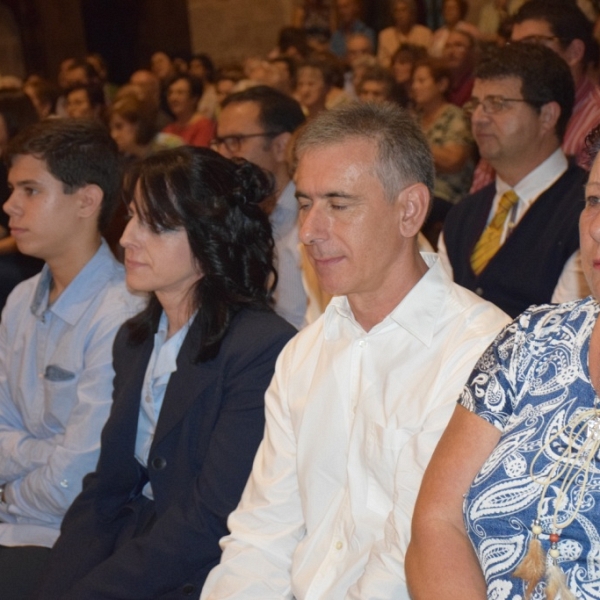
x=233, y=143
x=493, y=104
x=540, y=40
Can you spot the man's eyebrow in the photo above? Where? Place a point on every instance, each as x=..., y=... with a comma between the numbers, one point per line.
x=332, y=194
x=22, y=182
x=592, y=184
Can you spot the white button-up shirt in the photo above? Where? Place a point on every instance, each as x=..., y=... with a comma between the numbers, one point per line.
x=352, y=420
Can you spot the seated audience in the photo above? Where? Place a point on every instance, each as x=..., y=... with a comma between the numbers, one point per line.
x=522, y=100
x=56, y=336
x=446, y=129
x=316, y=19
x=361, y=396
x=202, y=67
x=315, y=80
x=405, y=31
x=85, y=101
x=148, y=85
x=403, y=64
x=510, y=503
x=43, y=94
x=454, y=13
x=226, y=80
x=132, y=124
x=348, y=23
x=377, y=85
x=191, y=373
x=183, y=95
x=460, y=56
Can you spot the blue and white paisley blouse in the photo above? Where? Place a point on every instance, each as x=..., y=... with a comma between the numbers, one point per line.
x=529, y=383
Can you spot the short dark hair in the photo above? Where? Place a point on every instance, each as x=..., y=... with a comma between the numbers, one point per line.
x=566, y=20
x=17, y=110
x=196, y=85
x=545, y=77
x=403, y=154
x=216, y=201
x=278, y=112
x=77, y=152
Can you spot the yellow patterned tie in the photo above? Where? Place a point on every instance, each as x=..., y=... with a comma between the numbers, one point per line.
x=489, y=242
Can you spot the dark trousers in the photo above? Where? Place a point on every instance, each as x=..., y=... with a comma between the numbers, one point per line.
x=20, y=570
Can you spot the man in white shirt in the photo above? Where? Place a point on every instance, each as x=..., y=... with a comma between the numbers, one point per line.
x=522, y=100
x=257, y=124
x=361, y=396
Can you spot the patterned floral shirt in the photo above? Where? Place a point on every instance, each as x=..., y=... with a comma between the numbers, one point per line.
x=529, y=383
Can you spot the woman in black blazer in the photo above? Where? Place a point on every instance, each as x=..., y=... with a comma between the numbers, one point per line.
x=191, y=372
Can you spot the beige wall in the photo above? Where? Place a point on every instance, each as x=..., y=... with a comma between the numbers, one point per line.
x=232, y=29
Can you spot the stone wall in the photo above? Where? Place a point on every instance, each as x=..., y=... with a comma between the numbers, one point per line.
x=229, y=30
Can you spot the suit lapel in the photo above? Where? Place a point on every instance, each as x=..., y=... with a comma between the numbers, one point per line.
x=189, y=382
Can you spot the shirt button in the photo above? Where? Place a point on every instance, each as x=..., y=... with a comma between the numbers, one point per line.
x=148, y=398
x=64, y=483
x=479, y=291
x=339, y=546
x=362, y=343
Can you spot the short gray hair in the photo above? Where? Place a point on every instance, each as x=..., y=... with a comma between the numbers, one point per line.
x=403, y=154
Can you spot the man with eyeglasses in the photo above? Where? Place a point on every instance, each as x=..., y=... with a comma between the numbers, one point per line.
x=562, y=27
x=515, y=242
x=257, y=124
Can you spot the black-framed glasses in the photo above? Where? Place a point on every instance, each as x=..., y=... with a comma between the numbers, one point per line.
x=233, y=143
x=493, y=104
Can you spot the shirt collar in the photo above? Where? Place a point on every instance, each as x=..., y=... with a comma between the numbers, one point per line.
x=537, y=181
x=417, y=313
x=74, y=300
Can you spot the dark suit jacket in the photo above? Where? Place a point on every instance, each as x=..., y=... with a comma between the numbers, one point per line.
x=115, y=543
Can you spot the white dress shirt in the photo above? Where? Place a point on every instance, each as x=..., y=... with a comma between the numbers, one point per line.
x=352, y=420
x=571, y=284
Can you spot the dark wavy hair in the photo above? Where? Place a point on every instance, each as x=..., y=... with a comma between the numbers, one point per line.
x=216, y=201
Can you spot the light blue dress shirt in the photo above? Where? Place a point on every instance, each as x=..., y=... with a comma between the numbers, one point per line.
x=289, y=296
x=163, y=362
x=55, y=392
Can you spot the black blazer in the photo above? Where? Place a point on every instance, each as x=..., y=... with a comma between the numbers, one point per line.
x=114, y=542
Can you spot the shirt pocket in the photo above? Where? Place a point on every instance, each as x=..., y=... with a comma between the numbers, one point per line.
x=60, y=396
x=384, y=446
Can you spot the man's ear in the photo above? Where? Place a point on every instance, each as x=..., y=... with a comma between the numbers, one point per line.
x=414, y=201
x=574, y=52
x=280, y=144
x=549, y=115
x=90, y=200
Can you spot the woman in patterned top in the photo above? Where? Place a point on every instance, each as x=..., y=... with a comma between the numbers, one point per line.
x=509, y=507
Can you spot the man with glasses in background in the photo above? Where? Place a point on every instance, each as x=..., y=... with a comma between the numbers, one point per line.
x=515, y=242
x=562, y=27
x=257, y=124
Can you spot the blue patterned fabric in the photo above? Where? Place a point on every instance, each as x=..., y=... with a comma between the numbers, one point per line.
x=529, y=383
